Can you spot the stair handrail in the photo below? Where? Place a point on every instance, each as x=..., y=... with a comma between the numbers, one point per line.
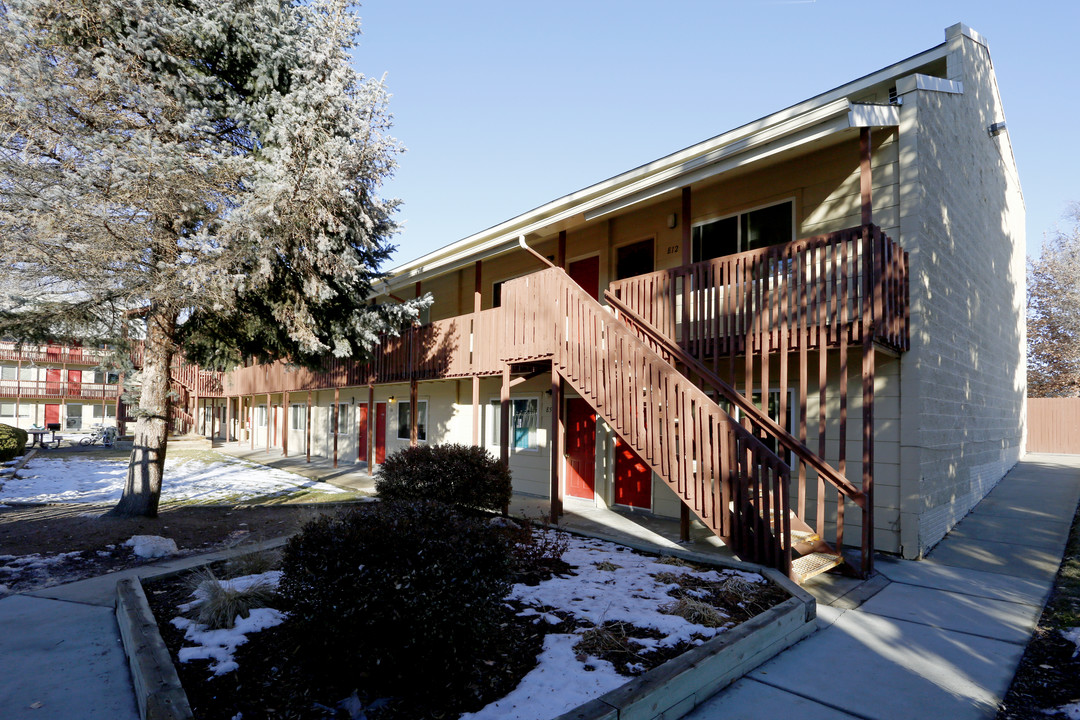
x=744, y=527
x=758, y=417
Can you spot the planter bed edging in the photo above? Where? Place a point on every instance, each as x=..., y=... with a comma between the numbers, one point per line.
x=663, y=693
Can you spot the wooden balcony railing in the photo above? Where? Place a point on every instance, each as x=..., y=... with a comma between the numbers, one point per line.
x=56, y=390
x=809, y=291
x=50, y=354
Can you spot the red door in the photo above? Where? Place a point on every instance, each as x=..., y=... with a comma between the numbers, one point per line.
x=580, y=449
x=74, y=383
x=586, y=273
x=53, y=386
x=52, y=414
x=362, y=435
x=633, y=479
x=380, y=433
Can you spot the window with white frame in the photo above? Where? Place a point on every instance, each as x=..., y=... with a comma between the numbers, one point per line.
x=748, y=230
x=297, y=417
x=13, y=372
x=344, y=425
x=7, y=410
x=404, y=420
x=73, y=418
x=106, y=411
x=524, y=422
x=260, y=416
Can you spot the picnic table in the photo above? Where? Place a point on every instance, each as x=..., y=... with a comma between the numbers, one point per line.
x=37, y=437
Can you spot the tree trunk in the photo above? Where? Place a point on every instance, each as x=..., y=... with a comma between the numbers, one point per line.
x=147, y=464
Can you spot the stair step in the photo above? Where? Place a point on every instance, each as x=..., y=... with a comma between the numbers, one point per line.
x=799, y=537
x=808, y=566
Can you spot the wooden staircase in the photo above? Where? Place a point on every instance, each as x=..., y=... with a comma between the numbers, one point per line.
x=672, y=417
x=812, y=554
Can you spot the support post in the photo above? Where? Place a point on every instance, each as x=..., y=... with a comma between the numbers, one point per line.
x=228, y=418
x=269, y=422
x=414, y=413
x=869, y=322
x=477, y=296
x=285, y=424
x=560, y=251
x=307, y=428
x=337, y=419
x=504, y=422
x=371, y=428
x=557, y=442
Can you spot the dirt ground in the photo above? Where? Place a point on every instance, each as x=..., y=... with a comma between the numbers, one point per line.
x=93, y=544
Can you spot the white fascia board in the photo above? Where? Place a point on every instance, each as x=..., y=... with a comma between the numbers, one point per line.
x=918, y=81
x=873, y=115
x=595, y=201
x=503, y=237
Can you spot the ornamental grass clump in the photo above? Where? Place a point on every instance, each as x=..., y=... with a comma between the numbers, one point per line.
x=220, y=603
x=461, y=475
x=409, y=594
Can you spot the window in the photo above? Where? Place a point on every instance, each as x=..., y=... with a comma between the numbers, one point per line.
x=750, y=230
x=405, y=418
x=109, y=411
x=297, y=417
x=73, y=421
x=260, y=416
x=524, y=423
x=12, y=372
x=344, y=426
x=7, y=410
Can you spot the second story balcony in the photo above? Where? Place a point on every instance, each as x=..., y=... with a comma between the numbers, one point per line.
x=819, y=291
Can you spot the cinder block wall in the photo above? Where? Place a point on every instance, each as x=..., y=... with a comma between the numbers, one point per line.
x=962, y=221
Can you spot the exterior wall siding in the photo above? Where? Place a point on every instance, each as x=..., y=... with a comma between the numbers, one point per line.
x=962, y=220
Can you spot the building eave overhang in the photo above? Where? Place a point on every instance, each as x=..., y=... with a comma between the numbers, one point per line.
x=799, y=125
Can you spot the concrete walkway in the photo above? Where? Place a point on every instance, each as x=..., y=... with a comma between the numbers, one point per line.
x=940, y=638
x=60, y=651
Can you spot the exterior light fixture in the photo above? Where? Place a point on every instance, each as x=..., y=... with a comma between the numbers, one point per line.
x=673, y=220
x=996, y=129
x=391, y=400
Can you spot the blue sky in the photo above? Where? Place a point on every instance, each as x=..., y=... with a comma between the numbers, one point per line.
x=503, y=106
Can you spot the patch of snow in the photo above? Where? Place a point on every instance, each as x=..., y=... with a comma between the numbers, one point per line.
x=152, y=546
x=75, y=479
x=556, y=685
x=218, y=646
x=630, y=594
x=1073, y=636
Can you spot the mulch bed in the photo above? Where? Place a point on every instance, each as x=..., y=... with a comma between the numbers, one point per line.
x=273, y=681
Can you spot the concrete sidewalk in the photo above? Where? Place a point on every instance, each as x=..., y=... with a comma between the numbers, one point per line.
x=60, y=651
x=940, y=638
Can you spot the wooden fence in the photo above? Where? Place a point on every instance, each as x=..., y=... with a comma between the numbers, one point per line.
x=1054, y=425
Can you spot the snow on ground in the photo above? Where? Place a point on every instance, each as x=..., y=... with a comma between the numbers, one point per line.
x=56, y=480
x=218, y=646
x=628, y=594
x=563, y=678
x=152, y=546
